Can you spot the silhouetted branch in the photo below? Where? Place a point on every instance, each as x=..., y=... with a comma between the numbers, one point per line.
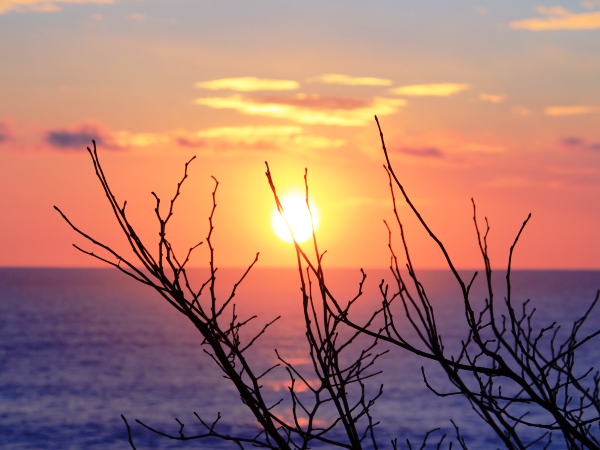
x=524, y=381
x=130, y=438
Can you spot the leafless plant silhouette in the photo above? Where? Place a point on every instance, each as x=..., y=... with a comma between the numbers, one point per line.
x=521, y=379
x=342, y=386
x=506, y=367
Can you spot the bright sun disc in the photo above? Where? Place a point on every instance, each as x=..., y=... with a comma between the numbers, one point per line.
x=298, y=217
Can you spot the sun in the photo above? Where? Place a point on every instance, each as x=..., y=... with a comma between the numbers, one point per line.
x=298, y=217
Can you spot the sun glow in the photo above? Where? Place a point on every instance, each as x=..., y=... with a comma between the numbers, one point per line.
x=298, y=217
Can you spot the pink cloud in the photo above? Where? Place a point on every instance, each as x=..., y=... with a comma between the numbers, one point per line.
x=578, y=143
x=317, y=102
x=310, y=110
x=558, y=18
x=43, y=6
x=423, y=152
x=219, y=139
x=255, y=138
x=6, y=131
x=79, y=137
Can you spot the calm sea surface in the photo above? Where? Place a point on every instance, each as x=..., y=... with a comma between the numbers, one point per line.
x=80, y=347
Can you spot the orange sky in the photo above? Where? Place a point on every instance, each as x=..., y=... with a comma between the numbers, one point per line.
x=500, y=102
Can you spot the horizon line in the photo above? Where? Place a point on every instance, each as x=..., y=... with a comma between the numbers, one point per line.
x=494, y=269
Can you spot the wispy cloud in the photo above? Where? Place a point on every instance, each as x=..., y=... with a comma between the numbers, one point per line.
x=571, y=141
x=572, y=110
x=470, y=147
x=430, y=90
x=450, y=148
x=43, y=5
x=438, y=146
x=310, y=110
x=316, y=102
x=346, y=80
x=520, y=181
x=515, y=181
x=76, y=138
x=218, y=139
x=262, y=138
x=558, y=18
x=422, y=152
x=246, y=133
x=6, y=132
x=127, y=139
x=491, y=98
x=591, y=4
x=578, y=143
x=80, y=136
x=249, y=84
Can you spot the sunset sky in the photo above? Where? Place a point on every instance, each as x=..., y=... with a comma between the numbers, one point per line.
x=495, y=100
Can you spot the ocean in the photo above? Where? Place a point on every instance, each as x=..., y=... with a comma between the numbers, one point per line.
x=80, y=347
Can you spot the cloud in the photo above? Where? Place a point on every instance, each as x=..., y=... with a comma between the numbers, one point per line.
x=491, y=98
x=591, y=4
x=346, y=80
x=316, y=102
x=557, y=18
x=81, y=136
x=127, y=139
x=248, y=84
x=423, y=152
x=520, y=182
x=262, y=138
x=43, y=5
x=577, y=143
x=451, y=147
x=309, y=110
x=571, y=141
x=430, y=90
x=515, y=181
x=218, y=139
x=573, y=110
x=482, y=148
x=6, y=133
x=249, y=132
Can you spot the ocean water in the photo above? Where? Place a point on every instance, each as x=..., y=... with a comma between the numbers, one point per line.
x=80, y=347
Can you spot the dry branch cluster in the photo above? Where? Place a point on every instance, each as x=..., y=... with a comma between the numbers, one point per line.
x=521, y=380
